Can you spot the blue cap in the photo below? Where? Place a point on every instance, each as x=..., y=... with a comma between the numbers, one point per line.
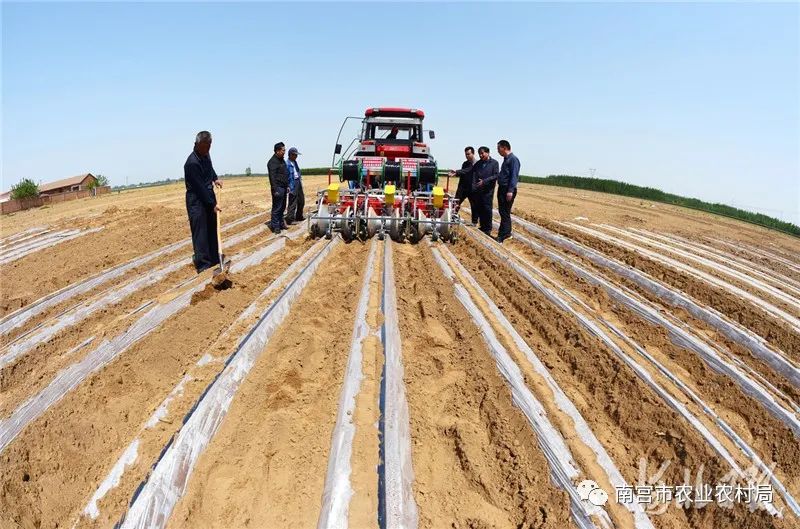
x=294, y=150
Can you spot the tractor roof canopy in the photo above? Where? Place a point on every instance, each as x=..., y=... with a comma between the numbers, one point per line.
x=394, y=112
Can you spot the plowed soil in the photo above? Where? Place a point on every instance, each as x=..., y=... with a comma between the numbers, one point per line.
x=476, y=461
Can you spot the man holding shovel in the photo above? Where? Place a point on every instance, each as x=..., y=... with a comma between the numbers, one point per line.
x=201, y=204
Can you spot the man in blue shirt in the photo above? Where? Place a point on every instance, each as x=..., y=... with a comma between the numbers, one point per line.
x=506, y=188
x=297, y=199
x=484, y=176
x=201, y=203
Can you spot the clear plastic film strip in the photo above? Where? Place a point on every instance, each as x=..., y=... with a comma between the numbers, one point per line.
x=41, y=244
x=733, y=331
x=154, y=501
x=396, y=475
x=766, y=306
x=75, y=315
x=564, y=470
x=674, y=263
x=112, y=479
x=683, y=339
x=338, y=490
x=108, y=350
x=592, y=327
x=20, y=316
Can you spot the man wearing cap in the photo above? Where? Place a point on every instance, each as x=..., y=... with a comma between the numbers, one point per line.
x=279, y=187
x=201, y=203
x=297, y=199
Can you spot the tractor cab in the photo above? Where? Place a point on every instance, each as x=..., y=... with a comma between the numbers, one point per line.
x=392, y=133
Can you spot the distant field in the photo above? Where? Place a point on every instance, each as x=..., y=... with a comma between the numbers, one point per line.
x=614, y=187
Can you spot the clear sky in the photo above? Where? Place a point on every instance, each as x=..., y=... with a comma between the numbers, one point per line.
x=697, y=99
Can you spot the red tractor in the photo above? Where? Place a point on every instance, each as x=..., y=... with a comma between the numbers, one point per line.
x=388, y=184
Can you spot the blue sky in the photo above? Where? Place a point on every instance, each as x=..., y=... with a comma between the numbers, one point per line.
x=697, y=99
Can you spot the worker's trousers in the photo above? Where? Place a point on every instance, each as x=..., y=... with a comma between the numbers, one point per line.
x=474, y=206
x=297, y=201
x=484, y=197
x=203, y=223
x=504, y=207
x=278, y=207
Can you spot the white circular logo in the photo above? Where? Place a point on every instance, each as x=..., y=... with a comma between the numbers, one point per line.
x=598, y=497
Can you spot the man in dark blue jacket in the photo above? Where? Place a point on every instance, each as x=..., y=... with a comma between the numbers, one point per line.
x=506, y=188
x=201, y=203
x=484, y=176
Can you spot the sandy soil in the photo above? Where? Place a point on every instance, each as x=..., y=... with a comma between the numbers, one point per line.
x=476, y=461
x=750, y=419
x=68, y=450
x=475, y=456
x=253, y=473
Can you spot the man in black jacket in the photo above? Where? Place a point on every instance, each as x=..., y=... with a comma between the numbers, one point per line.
x=201, y=204
x=279, y=187
x=484, y=177
x=464, y=189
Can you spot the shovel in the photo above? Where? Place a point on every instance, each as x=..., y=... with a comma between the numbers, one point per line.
x=220, y=277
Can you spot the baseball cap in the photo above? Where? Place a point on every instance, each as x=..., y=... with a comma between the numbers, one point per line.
x=294, y=150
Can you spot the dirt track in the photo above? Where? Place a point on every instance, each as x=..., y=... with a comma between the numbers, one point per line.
x=101, y=387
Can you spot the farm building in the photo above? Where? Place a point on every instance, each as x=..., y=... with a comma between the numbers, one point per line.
x=76, y=183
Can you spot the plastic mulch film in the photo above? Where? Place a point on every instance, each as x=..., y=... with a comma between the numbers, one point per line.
x=744, y=278
x=399, y=508
x=758, y=252
x=719, y=421
x=152, y=506
x=74, y=316
x=51, y=239
x=733, y=331
x=69, y=378
x=564, y=471
x=23, y=314
x=645, y=376
x=338, y=490
x=733, y=261
x=47, y=242
x=13, y=240
x=28, y=240
x=112, y=479
x=685, y=339
x=259, y=256
x=108, y=350
x=765, y=305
